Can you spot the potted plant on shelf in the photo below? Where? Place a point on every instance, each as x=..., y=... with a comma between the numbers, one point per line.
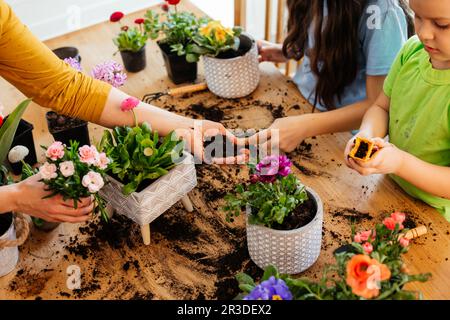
x=13, y=229
x=177, y=30
x=64, y=128
x=284, y=218
x=147, y=175
x=131, y=43
x=372, y=270
x=73, y=173
x=230, y=59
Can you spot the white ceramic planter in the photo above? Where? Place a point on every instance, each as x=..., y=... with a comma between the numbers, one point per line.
x=233, y=78
x=145, y=206
x=291, y=251
x=8, y=256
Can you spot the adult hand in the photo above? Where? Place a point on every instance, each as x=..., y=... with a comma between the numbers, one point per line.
x=54, y=209
x=270, y=52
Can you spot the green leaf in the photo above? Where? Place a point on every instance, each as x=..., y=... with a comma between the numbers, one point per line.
x=269, y=272
x=245, y=279
x=8, y=129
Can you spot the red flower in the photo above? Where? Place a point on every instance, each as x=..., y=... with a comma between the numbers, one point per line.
x=139, y=21
x=116, y=16
x=124, y=28
x=165, y=7
x=1, y=119
x=390, y=223
x=173, y=2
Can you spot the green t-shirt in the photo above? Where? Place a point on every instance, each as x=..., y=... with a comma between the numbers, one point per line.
x=419, y=116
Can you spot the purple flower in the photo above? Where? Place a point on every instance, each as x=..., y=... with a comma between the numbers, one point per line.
x=73, y=63
x=110, y=72
x=272, y=167
x=272, y=289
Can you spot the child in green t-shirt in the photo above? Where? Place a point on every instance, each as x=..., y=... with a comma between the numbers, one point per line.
x=415, y=108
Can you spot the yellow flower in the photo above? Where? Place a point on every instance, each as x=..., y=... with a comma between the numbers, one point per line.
x=276, y=297
x=220, y=35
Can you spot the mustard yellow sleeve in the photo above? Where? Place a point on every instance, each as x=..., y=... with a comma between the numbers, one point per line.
x=32, y=68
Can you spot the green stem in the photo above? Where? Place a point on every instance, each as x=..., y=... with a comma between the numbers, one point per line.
x=135, y=119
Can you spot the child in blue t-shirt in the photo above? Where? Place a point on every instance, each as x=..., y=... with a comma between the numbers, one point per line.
x=344, y=65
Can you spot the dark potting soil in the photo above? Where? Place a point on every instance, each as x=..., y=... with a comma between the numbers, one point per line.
x=220, y=146
x=302, y=215
x=59, y=122
x=5, y=222
x=244, y=47
x=116, y=233
x=352, y=215
x=362, y=150
x=212, y=113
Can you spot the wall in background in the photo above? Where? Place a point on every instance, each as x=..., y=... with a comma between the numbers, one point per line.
x=51, y=18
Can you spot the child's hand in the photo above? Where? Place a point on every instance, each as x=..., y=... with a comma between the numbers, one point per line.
x=271, y=52
x=351, y=144
x=386, y=160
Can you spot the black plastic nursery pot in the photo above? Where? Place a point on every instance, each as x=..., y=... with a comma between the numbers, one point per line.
x=65, y=129
x=178, y=69
x=67, y=52
x=24, y=137
x=6, y=219
x=134, y=61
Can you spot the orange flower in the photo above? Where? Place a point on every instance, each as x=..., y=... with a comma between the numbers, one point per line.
x=364, y=275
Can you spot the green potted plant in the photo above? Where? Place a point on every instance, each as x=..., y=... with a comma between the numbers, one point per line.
x=284, y=218
x=230, y=58
x=9, y=223
x=175, y=31
x=373, y=269
x=148, y=174
x=131, y=43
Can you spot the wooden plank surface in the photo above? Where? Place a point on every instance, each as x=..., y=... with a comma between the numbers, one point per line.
x=196, y=255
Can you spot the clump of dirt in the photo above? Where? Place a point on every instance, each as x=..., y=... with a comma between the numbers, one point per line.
x=352, y=215
x=213, y=113
x=116, y=234
x=28, y=283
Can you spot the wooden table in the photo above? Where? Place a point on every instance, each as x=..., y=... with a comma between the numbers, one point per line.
x=196, y=255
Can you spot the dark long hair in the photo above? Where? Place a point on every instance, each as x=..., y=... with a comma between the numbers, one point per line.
x=334, y=58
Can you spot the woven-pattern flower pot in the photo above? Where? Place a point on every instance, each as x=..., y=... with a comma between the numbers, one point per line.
x=8, y=256
x=145, y=206
x=10, y=242
x=291, y=251
x=235, y=77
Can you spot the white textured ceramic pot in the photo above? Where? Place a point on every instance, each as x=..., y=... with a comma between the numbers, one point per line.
x=145, y=206
x=291, y=251
x=236, y=77
x=9, y=244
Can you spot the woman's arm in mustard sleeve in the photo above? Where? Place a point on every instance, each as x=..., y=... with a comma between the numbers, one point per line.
x=32, y=68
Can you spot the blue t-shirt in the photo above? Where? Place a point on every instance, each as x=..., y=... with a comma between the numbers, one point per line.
x=382, y=33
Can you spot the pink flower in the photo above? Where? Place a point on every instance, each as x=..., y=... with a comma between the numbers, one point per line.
x=357, y=238
x=88, y=154
x=48, y=171
x=389, y=223
x=55, y=151
x=404, y=242
x=93, y=181
x=272, y=167
x=365, y=235
x=254, y=178
x=73, y=63
x=110, y=72
x=102, y=161
x=129, y=104
x=368, y=248
x=399, y=217
x=67, y=168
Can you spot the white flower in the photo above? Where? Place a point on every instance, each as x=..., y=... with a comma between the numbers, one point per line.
x=17, y=154
x=93, y=181
x=67, y=168
x=48, y=171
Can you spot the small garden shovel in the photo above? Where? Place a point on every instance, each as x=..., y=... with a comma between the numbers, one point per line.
x=175, y=92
